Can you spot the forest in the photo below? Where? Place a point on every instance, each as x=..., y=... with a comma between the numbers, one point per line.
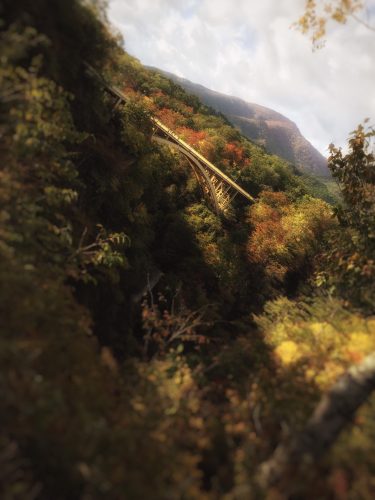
x=151, y=348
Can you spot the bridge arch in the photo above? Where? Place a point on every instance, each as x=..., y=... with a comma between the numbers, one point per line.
x=203, y=178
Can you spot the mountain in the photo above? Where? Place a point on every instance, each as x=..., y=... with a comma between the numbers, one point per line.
x=268, y=128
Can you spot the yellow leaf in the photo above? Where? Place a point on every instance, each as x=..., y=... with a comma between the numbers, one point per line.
x=288, y=352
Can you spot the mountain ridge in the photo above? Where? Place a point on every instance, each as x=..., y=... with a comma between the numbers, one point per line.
x=275, y=132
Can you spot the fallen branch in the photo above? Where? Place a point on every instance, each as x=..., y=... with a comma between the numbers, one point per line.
x=334, y=412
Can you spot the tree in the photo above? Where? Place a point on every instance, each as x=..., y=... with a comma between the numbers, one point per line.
x=350, y=259
x=355, y=173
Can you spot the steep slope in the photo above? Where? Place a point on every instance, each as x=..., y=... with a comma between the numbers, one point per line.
x=266, y=127
x=147, y=345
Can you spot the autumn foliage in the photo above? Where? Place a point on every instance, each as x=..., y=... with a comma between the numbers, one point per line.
x=235, y=154
x=172, y=119
x=284, y=233
x=147, y=349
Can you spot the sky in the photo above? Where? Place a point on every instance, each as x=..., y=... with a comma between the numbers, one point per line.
x=247, y=48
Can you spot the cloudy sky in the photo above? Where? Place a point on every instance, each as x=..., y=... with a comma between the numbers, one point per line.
x=246, y=48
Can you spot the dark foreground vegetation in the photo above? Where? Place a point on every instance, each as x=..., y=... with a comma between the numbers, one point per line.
x=150, y=348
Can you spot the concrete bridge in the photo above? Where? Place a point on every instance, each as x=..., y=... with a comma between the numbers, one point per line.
x=218, y=188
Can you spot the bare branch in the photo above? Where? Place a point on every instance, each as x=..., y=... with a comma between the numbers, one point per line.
x=361, y=21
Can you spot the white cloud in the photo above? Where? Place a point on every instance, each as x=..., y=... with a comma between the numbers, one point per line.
x=246, y=48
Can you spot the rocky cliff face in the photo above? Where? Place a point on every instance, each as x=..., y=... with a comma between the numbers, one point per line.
x=266, y=127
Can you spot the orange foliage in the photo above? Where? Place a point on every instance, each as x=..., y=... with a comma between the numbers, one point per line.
x=272, y=199
x=235, y=154
x=284, y=232
x=170, y=118
x=267, y=240
x=129, y=91
x=193, y=137
x=187, y=109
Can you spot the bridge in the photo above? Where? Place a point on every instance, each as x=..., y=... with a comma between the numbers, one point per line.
x=217, y=187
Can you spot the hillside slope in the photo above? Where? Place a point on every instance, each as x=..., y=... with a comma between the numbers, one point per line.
x=266, y=127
